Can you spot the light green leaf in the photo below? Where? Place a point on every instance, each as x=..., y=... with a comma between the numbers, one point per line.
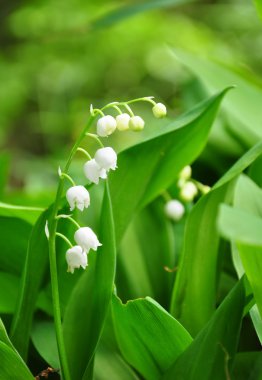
x=88, y=305
x=243, y=104
x=34, y=269
x=149, y=338
x=211, y=354
x=12, y=368
x=259, y=7
x=153, y=165
x=194, y=295
x=29, y=214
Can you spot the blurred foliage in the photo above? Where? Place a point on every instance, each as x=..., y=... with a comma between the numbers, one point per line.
x=58, y=57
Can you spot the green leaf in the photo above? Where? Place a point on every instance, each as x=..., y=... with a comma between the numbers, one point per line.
x=9, y=285
x=211, y=354
x=130, y=10
x=12, y=368
x=194, y=295
x=88, y=305
x=4, y=166
x=44, y=339
x=243, y=104
x=14, y=235
x=149, y=338
x=259, y=7
x=29, y=214
x=248, y=366
x=242, y=224
x=152, y=165
x=34, y=269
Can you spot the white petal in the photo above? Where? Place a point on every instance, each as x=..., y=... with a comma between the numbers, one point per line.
x=136, y=123
x=87, y=239
x=93, y=171
x=174, y=209
x=122, y=122
x=106, y=125
x=76, y=257
x=159, y=110
x=78, y=196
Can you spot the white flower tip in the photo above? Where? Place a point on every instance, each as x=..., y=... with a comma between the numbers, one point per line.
x=185, y=173
x=106, y=125
x=91, y=109
x=106, y=158
x=47, y=230
x=78, y=196
x=122, y=122
x=59, y=171
x=188, y=191
x=159, y=110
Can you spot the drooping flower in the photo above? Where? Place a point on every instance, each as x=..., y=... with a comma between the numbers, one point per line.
x=122, y=122
x=93, y=171
x=174, y=210
x=76, y=257
x=106, y=125
x=185, y=173
x=106, y=158
x=136, y=123
x=87, y=239
x=78, y=196
x=188, y=191
x=159, y=110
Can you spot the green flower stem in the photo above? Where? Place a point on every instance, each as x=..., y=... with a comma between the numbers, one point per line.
x=52, y=259
x=167, y=197
x=65, y=239
x=68, y=177
x=95, y=137
x=85, y=153
x=62, y=216
x=129, y=110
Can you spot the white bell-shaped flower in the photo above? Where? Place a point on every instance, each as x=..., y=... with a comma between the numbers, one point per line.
x=93, y=171
x=106, y=158
x=136, y=123
x=106, y=125
x=185, y=173
x=159, y=110
x=188, y=191
x=174, y=210
x=78, y=196
x=87, y=239
x=122, y=122
x=76, y=257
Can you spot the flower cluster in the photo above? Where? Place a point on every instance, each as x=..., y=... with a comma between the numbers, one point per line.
x=188, y=189
x=96, y=168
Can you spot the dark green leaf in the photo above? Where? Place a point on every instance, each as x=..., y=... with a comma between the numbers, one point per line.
x=12, y=368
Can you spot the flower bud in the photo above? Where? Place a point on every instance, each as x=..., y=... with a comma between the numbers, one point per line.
x=159, y=110
x=106, y=158
x=87, y=239
x=185, y=173
x=174, y=210
x=136, y=123
x=93, y=171
x=76, y=258
x=188, y=191
x=122, y=122
x=78, y=196
x=106, y=125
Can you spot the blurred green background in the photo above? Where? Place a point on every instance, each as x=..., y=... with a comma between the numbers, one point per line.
x=58, y=57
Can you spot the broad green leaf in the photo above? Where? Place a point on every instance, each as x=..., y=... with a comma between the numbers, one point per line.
x=14, y=235
x=4, y=166
x=29, y=214
x=44, y=339
x=194, y=295
x=12, y=368
x=88, y=305
x=9, y=357
x=34, y=269
x=152, y=165
x=243, y=104
x=242, y=224
x=149, y=338
x=211, y=354
x=126, y=11
x=9, y=285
